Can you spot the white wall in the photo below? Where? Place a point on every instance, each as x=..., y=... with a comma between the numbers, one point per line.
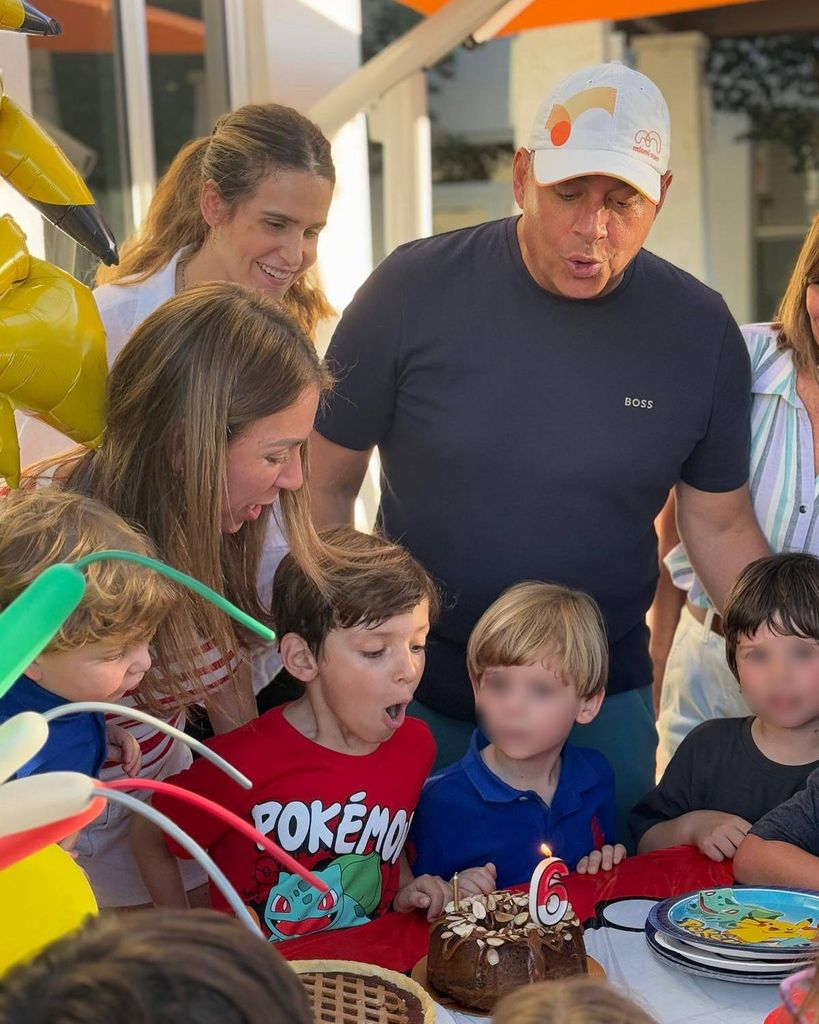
x=673, y=61
x=729, y=210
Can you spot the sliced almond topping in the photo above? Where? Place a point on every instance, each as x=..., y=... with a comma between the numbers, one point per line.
x=464, y=930
x=449, y=907
x=479, y=910
x=491, y=902
x=447, y=935
x=503, y=918
x=492, y=958
x=521, y=919
x=495, y=941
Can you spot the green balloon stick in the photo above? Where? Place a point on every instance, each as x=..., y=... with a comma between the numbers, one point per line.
x=187, y=581
x=34, y=617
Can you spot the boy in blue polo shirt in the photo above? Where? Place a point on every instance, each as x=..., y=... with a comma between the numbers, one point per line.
x=101, y=650
x=538, y=660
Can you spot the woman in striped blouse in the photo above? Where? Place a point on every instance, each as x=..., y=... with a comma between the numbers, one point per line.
x=697, y=684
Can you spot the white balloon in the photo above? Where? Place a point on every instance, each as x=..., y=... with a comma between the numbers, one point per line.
x=41, y=799
x=21, y=737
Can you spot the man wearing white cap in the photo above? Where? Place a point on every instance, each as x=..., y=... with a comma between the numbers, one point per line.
x=535, y=387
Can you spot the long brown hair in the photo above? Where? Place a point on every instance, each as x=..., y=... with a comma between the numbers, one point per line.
x=792, y=318
x=196, y=373
x=245, y=147
x=156, y=967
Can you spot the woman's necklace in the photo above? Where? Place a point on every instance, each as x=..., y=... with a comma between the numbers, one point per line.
x=182, y=282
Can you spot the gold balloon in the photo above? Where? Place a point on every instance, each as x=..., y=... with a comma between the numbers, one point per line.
x=52, y=350
x=33, y=164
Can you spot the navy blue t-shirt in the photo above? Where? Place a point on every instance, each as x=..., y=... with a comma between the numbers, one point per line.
x=524, y=435
x=467, y=816
x=76, y=743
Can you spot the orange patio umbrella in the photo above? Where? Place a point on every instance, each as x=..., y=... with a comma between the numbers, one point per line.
x=542, y=13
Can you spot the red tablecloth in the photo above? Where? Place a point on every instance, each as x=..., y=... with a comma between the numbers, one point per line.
x=399, y=941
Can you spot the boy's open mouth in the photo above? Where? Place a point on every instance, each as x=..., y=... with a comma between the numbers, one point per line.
x=395, y=715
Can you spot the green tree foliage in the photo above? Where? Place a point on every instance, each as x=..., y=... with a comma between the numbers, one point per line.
x=775, y=80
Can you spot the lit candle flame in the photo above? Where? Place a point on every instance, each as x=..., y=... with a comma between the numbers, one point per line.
x=544, y=849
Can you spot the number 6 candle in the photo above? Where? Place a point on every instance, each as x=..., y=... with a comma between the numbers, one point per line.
x=548, y=899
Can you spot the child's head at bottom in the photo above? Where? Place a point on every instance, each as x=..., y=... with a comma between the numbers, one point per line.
x=358, y=648
x=101, y=650
x=579, y=1000
x=538, y=661
x=771, y=626
x=156, y=967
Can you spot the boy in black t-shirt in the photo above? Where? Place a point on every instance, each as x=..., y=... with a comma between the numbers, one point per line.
x=730, y=772
x=783, y=847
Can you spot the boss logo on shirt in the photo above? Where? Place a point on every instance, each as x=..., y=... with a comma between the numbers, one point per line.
x=640, y=403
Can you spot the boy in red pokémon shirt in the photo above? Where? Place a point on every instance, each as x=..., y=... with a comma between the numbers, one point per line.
x=336, y=773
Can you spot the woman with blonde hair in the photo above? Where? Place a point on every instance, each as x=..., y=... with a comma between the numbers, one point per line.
x=209, y=408
x=697, y=683
x=244, y=204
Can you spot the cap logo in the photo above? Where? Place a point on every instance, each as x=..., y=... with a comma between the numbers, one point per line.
x=562, y=115
x=647, y=144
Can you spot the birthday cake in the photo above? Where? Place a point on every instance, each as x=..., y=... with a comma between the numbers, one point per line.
x=343, y=992
x=490, y=945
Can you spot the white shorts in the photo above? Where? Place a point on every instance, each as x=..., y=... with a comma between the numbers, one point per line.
x=104, y=849
x=697, y=686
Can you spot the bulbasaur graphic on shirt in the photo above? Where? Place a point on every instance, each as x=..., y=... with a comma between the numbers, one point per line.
x=353, y=847
x=295, y=908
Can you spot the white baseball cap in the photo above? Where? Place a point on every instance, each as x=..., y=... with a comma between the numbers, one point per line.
x=606, y=119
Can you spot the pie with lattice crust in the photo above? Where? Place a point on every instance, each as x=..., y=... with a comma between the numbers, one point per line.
x=344, y=992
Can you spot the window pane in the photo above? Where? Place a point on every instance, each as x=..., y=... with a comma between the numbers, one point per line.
x=188, y=77
x=77, y=97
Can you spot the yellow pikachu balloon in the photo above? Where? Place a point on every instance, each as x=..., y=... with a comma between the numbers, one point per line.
x=52, y=350
x=42, y=898
x=33, y=164
x=21, y=16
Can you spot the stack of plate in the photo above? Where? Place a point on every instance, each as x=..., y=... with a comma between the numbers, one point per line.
x=756, y=936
